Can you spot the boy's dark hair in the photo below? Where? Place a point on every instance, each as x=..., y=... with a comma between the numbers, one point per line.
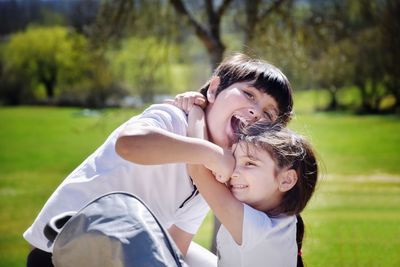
x=292, y=151
x=265, y=77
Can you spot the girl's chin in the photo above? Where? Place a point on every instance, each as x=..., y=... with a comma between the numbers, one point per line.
x=238, y=197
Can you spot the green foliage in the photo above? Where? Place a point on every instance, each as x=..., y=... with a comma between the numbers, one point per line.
x=50, y=57
x=334, y=69
x=55, y=65
x=185, y=78
x=390, y=40
x=335, y=45
x=279, y=44
x=143, y=66
x=355, y=51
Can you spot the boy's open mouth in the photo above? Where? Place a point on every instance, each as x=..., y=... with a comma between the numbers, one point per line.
x=237, y=124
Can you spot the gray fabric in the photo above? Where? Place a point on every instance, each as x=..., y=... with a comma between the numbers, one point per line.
x=114, y=230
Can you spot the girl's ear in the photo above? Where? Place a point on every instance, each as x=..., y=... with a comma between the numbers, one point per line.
x=287, y=179
x=212, y=89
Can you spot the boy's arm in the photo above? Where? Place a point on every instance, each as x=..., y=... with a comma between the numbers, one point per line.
x=225, y=206
x=149, y=145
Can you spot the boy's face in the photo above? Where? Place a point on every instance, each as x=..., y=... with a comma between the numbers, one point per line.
x=239, y=103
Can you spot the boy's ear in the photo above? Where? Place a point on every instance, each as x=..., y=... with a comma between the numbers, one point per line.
x=212, y=89
x=287, y=179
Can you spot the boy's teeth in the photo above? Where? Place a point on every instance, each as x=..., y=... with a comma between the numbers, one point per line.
x=239, y=186
x=237, y=122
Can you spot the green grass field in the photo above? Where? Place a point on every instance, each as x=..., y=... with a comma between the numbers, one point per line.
x=353, y=220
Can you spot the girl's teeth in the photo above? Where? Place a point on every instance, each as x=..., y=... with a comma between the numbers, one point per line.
x=239, y=186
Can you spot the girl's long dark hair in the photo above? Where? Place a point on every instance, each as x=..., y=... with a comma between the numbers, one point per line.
x=299, y=240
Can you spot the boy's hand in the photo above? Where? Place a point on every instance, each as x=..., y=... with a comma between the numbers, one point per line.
x=223, y=166
x=187, y=100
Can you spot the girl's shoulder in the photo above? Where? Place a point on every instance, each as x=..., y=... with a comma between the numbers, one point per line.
x=258, y=223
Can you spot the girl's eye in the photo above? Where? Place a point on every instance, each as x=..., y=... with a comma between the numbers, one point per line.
x=248, y=163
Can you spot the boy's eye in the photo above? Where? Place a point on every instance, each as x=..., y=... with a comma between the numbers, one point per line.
x=249, y=95
x=268, y=116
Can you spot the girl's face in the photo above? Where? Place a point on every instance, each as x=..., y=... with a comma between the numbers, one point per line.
x=239, y=103
x=255, y=180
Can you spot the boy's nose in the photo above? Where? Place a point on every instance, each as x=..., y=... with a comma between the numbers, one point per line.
x=255, y=114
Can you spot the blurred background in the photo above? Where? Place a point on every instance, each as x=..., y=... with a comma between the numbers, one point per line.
x=73, y=70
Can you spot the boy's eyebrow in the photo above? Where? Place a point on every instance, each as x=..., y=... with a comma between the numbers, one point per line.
x=251, y=86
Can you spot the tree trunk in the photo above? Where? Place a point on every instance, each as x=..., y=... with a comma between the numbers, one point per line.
x=256, y=13
x=47, y=73
x=216, y=55
x=365, y=104
x=49, y=85
x=394, y=87
x=333, y=103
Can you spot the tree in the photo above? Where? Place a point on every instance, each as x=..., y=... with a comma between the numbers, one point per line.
x=209, y=32
x=368, y=69
x=43, y=57
x=348, y=45
x=335, y=69
x=390, y=28
x=145, y=71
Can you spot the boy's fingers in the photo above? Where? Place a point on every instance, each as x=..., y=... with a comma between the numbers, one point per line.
x=185, y=105
x=190, y=104
x=200, y=102
x=179, y=102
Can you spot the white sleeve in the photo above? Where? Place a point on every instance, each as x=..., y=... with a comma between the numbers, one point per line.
x=258, y=226
x=168, y=117
x=164, y=116
x=190, y=216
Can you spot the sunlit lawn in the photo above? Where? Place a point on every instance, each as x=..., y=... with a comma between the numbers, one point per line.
x=354, y=219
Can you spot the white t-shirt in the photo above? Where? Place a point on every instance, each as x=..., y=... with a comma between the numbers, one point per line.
x=164, y=188
x=265, y=242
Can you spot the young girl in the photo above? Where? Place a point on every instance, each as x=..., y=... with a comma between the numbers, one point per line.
x=274, y=177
